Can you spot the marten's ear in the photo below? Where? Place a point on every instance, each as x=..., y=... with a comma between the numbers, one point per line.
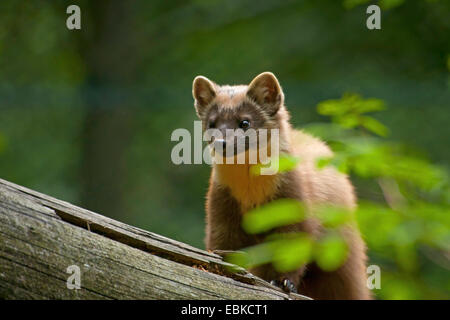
x=204, y=92
x=266, y=91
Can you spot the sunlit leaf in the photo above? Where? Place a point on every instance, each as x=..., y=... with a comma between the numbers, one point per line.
x=274, y=214
x=348, y=121
x=333, y=216
x=342, y=166
x=252, y=256
x=293, y=252
x=330, y=252
x=350, y=105
x=323, y=162
x=331, y=107
x=283, y=164
x=287, y=252
x=374, y=126
x=368, y=105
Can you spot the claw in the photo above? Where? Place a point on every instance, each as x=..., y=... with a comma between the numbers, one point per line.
x=289, y=286
x=286, y=285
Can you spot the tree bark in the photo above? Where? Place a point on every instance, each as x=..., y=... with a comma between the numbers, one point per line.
x=41, y=237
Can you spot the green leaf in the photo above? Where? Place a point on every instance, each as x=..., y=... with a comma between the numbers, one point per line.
x=332, y=216
x=287, y=252
x=346, y=110
x=285, y=163
x=323, y=162
x=275, y=214
x=291, y=253
x=374, y=126
x=330, y=252
x=348, y=120
x=252, y=256
x=368, y=105
x=331, y=107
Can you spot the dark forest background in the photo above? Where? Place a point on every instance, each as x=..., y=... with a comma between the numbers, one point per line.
x=86, y=115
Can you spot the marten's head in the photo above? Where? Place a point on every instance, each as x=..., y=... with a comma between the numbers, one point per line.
x=231, y=112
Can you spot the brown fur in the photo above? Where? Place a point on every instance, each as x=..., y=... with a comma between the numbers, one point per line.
x=233, y=190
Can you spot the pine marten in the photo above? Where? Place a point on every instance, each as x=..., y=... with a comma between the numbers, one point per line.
x=233, y=190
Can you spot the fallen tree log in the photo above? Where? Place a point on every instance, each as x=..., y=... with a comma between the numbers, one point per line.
x=41, y=237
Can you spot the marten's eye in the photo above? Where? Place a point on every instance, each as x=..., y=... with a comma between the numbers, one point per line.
x=244, y=124
x=211, y=124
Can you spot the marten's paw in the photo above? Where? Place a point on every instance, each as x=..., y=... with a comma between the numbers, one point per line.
x=286, y=285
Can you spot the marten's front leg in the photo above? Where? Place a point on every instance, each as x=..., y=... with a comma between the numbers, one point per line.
x=223, y=222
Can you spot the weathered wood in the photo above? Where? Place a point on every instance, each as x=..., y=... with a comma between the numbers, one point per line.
x=41, y=236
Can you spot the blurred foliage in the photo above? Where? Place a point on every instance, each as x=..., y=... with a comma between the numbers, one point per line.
x=348, y=113
x=412, y=221
x=283, y=163
x=2, y=143
x=384, y=4
x=278, y=213
x=150, y=51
